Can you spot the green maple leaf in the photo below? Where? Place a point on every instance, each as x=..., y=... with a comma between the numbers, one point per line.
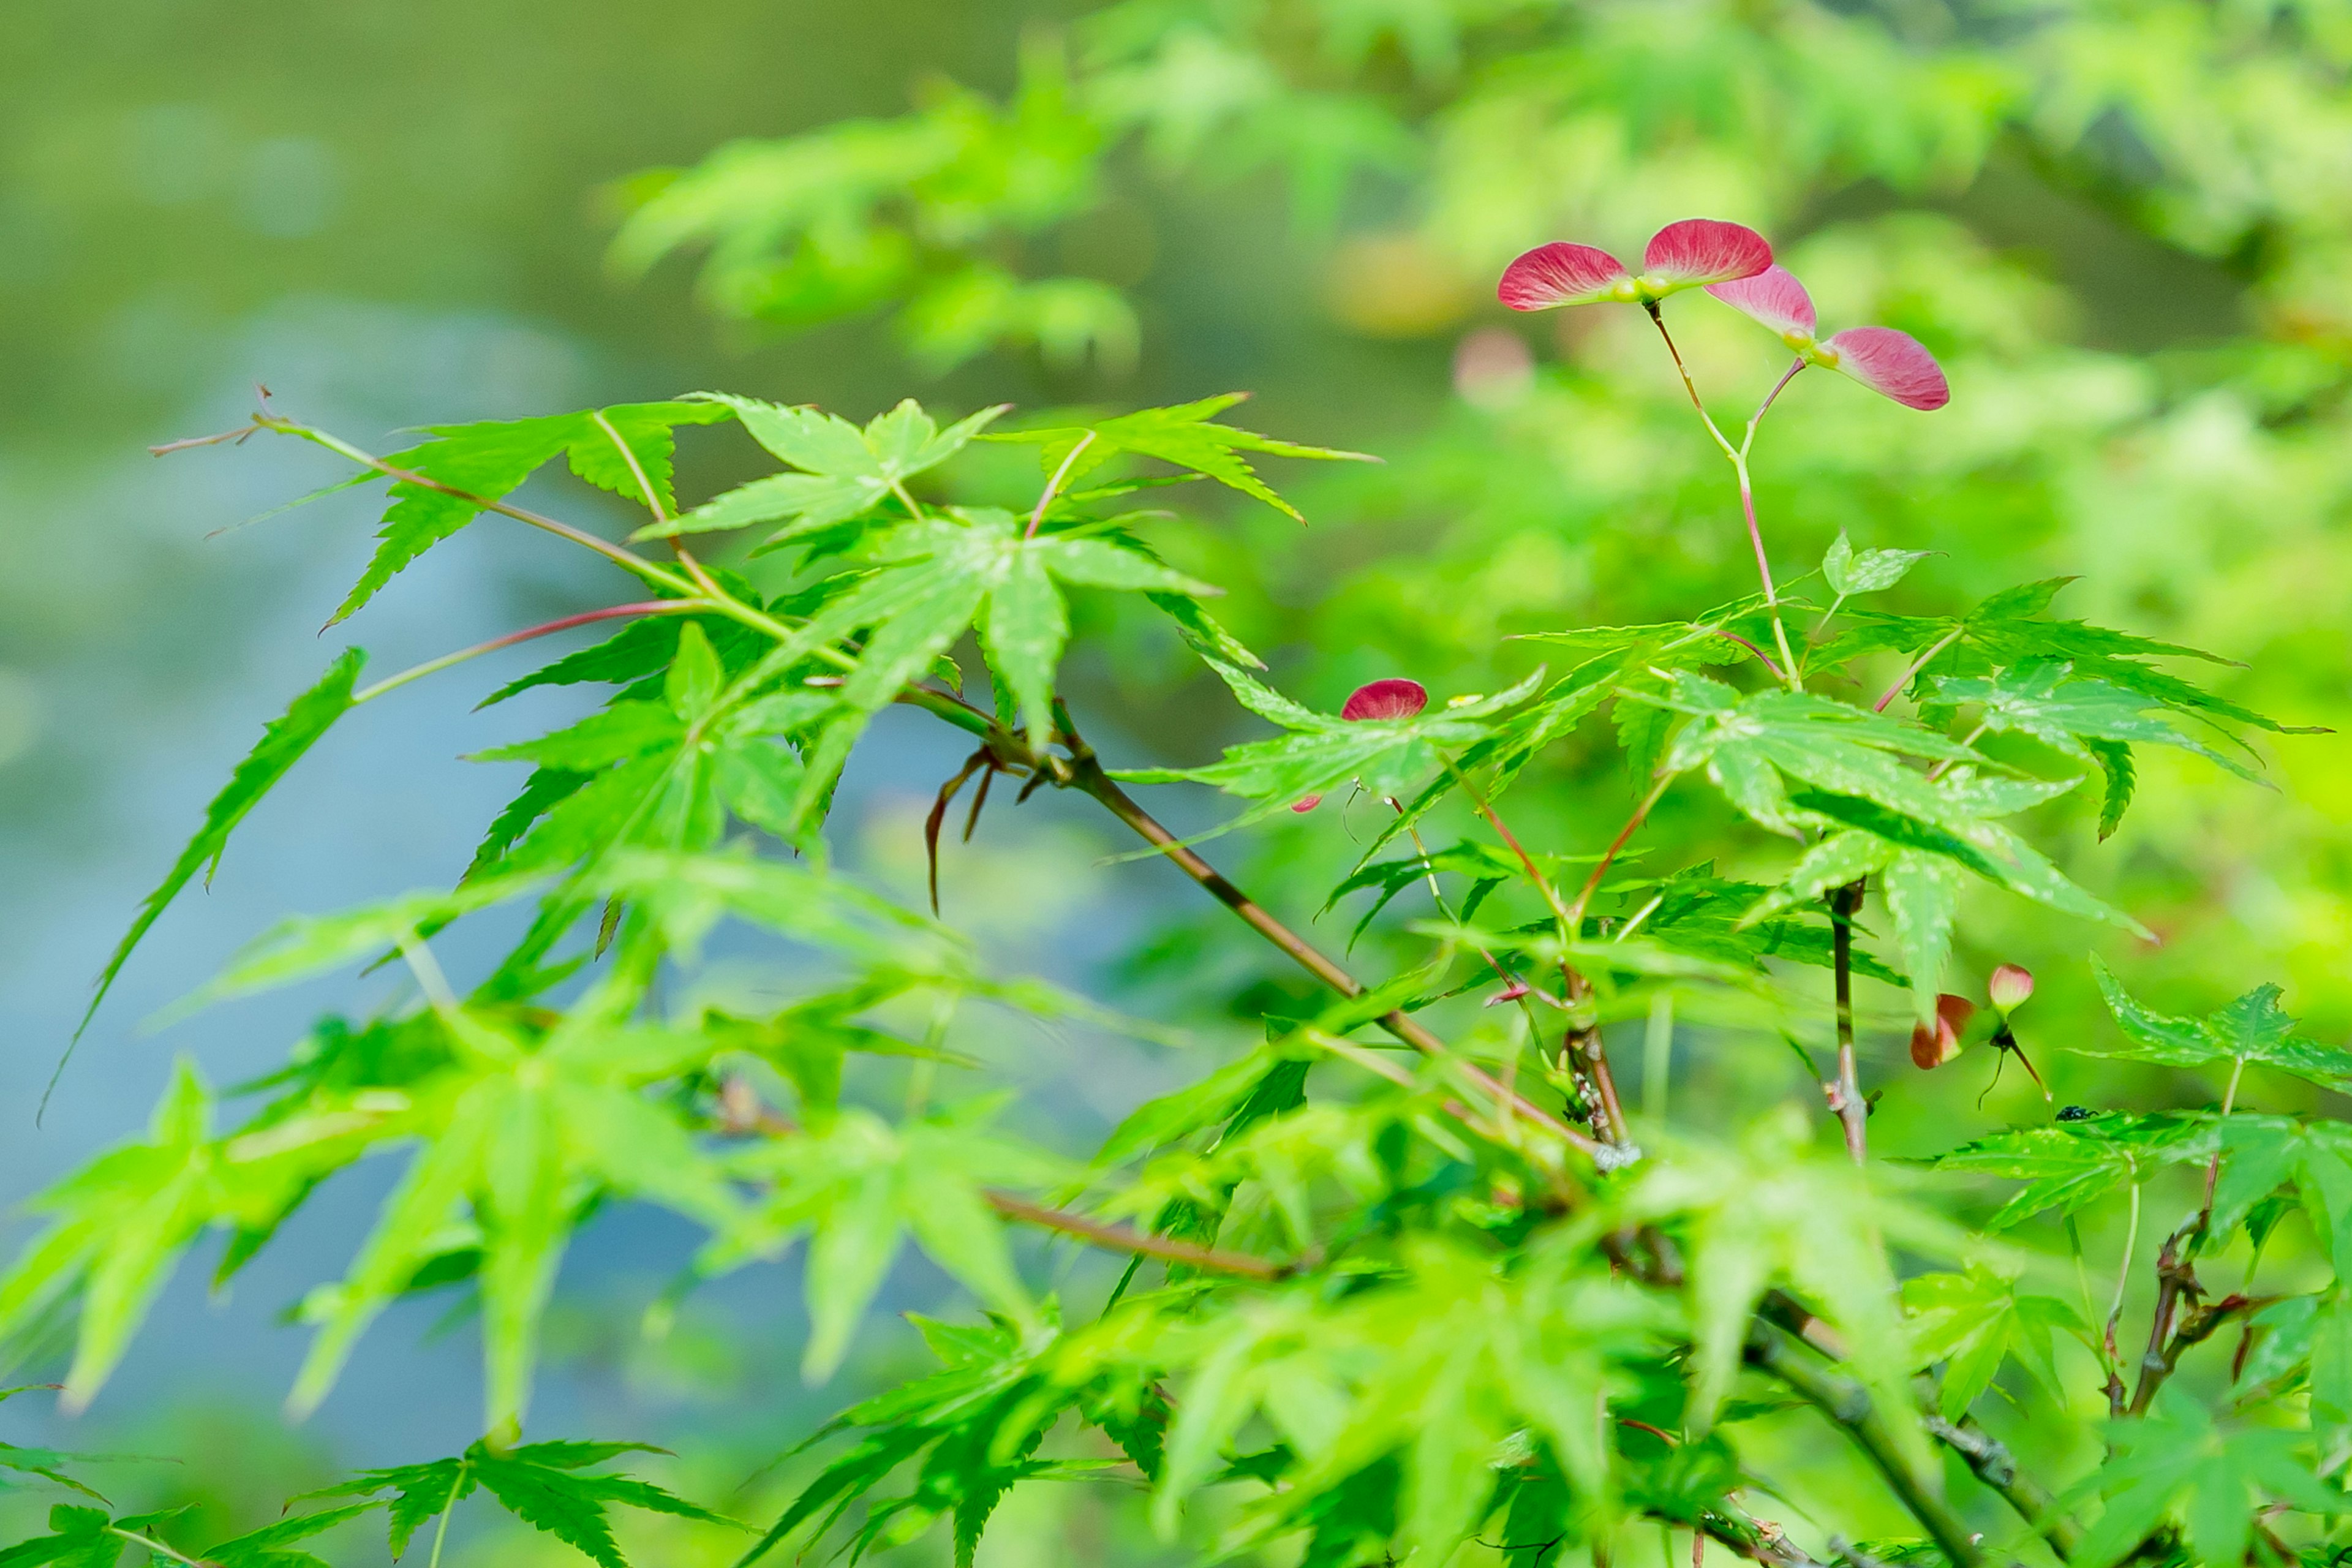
x=1975, y=1320
x=2253, y=1028
x=972, y=1427
x=1185, y=435
x=282, y=744
x=2011, y=628
x=2178, y=1465
x=625, y=448
x=539, y=1483
x=510, y=1132
x=2073, y=1163
x=1432, y=1371
x=2094, y=721
x=841, y=471
x=930, y=582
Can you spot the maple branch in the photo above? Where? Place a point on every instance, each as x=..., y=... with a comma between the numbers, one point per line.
x=1990, y=1460
x=1124, y=1238
x=1847, y=1404
x=1087, y=777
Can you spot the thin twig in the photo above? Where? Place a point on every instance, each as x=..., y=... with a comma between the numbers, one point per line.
x=1087, y=777
x=1124, y=1238
x=1847, y=1404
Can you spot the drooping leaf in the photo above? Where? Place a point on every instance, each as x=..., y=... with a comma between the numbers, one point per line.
x=610, y=448
x=282, y=744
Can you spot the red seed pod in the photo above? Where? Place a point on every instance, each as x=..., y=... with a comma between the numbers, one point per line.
x=1394, y=698
x=1932, y=1046
x=2011, y=986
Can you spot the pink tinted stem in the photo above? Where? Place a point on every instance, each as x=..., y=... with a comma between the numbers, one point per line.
x=1737, y=456
x=434, y=666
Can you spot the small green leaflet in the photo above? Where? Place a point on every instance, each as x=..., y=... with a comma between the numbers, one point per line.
x=2178, y=1464
x=539, y=1483
x=1697, y=913
x=609, y=447
x=49, y=1464
x=2253, y=1028
x=2071, y=1164
x=1485, y=866
x=1975, y=1320
x=1185, y=436
x=843, y=472
x=1870, y=571
x=282, y=745
x=269, y=1547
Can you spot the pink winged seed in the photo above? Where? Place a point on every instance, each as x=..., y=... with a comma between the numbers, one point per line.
x=1772, y=297
x=1893, y=362
x=1706, y=250
x=1558, y=274
x=1394, y=698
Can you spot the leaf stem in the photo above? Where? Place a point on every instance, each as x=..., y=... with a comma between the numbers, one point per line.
x=1737, y=458
x=441, y=1531
x=434, y=666
x=1124, y=1238
x=2116, y=1312
x=1575, y=916
x=1853, y=1110
x=1916, y=664
x=153, y=1545
x=1585, y=1041
x=1053, y=484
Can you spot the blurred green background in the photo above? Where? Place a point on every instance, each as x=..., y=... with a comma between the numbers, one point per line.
x=2125, y=228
